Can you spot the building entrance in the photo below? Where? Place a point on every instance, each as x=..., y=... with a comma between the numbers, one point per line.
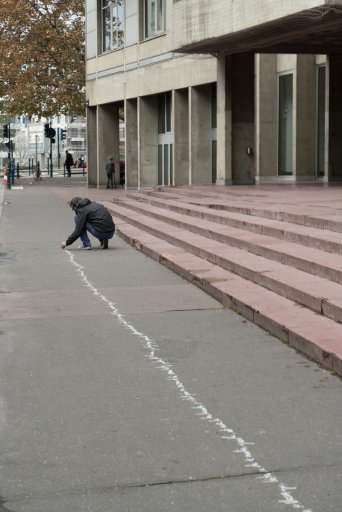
x=165, y=164
x=320, y=121
x=165, y=139
x=285, y=125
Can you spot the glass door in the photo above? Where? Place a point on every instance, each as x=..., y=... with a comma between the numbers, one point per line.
x=165, y=139
x=165, y=164
x=213, y=133
x=285, y=125
x=320, y=121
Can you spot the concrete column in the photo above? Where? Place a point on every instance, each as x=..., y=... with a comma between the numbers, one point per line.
x=305, y=126
x=224, y=121
x=131, y=143
x=266, y=112
x=243, y=138
x=116, y=143
x=180, y=124
x=147, y=141
x=199, y=135
x=334, y=124
x=108, y=141
x=92, y=147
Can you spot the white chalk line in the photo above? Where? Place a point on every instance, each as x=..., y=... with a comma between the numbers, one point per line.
x=227, y=434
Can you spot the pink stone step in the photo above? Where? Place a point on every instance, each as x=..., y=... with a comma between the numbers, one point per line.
x=317, y=262
x=255, y=204
x=309, y=236
x=320, y=295
x=315, y=335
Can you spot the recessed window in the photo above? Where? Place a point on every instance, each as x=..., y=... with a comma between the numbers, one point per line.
x=113, y=24
x=154, y=17
x=164, y=112
x=285, y=125
x=320, y=121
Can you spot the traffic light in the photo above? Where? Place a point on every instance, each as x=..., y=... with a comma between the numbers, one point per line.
x=63, y=134
x=49, y=132
x=5, y=133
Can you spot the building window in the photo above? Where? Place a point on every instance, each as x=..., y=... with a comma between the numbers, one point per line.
x=213, y=90
x=285, y=124
x=165, y=139
x=113, y=24
x=320, y=121
x=214, y=132
x=154, y=17
x=164, y=112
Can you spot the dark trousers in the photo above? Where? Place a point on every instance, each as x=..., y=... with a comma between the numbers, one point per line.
x=110, y=180
x=96, y=233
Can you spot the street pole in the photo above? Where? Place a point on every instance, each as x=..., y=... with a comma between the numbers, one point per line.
x=51, y=166
x=12, y=160
x=52, y=141
x=58, y=153
x=9, y=166
x=36, y=152
x=50, y=134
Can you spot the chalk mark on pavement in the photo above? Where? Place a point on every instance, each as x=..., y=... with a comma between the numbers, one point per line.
x=227, y=434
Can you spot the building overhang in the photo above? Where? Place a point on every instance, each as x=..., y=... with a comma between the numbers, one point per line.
x=312, y=31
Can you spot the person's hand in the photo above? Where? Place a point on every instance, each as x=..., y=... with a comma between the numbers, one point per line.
x=63, y=245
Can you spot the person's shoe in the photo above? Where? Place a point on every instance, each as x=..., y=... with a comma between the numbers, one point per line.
x=101, y=242
x=104, y=244
x=85, y=247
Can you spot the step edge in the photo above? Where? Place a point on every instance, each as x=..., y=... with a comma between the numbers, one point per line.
x=296, y=340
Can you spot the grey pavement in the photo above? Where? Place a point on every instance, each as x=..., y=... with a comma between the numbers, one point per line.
x=125, y=388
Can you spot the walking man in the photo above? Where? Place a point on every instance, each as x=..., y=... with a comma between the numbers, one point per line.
x=69, y=162
x=110, y=170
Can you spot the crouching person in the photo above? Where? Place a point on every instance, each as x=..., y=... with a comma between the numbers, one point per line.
x=92, y=217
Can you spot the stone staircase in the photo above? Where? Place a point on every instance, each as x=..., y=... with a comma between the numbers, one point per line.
x=278, y=265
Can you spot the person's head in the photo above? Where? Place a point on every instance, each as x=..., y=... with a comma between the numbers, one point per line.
x=74, y=202
x=110, y=158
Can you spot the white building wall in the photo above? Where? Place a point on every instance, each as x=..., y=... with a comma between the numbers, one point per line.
x=135, y=74
x=198, y=20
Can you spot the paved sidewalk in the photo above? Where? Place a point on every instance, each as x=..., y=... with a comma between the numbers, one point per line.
x=125, y=388
x=310, y=332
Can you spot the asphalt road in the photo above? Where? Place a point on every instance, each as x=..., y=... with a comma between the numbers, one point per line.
x=124, y=388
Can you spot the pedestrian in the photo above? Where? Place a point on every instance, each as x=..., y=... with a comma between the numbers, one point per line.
x=81, y=160
x=110, y=171
x=92, y=217
x=69, y=162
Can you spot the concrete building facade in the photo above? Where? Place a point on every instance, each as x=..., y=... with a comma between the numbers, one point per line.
x=219, y=91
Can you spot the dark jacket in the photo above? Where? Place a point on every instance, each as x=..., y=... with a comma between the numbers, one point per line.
x=94, y=213
x=68, y=159
x=110, y=168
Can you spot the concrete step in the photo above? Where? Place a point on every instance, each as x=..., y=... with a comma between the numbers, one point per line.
x=316, y=262
x=320, y=295
x=223, y=199
x=312, y=334
x=325, y=240
x=289, y=289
